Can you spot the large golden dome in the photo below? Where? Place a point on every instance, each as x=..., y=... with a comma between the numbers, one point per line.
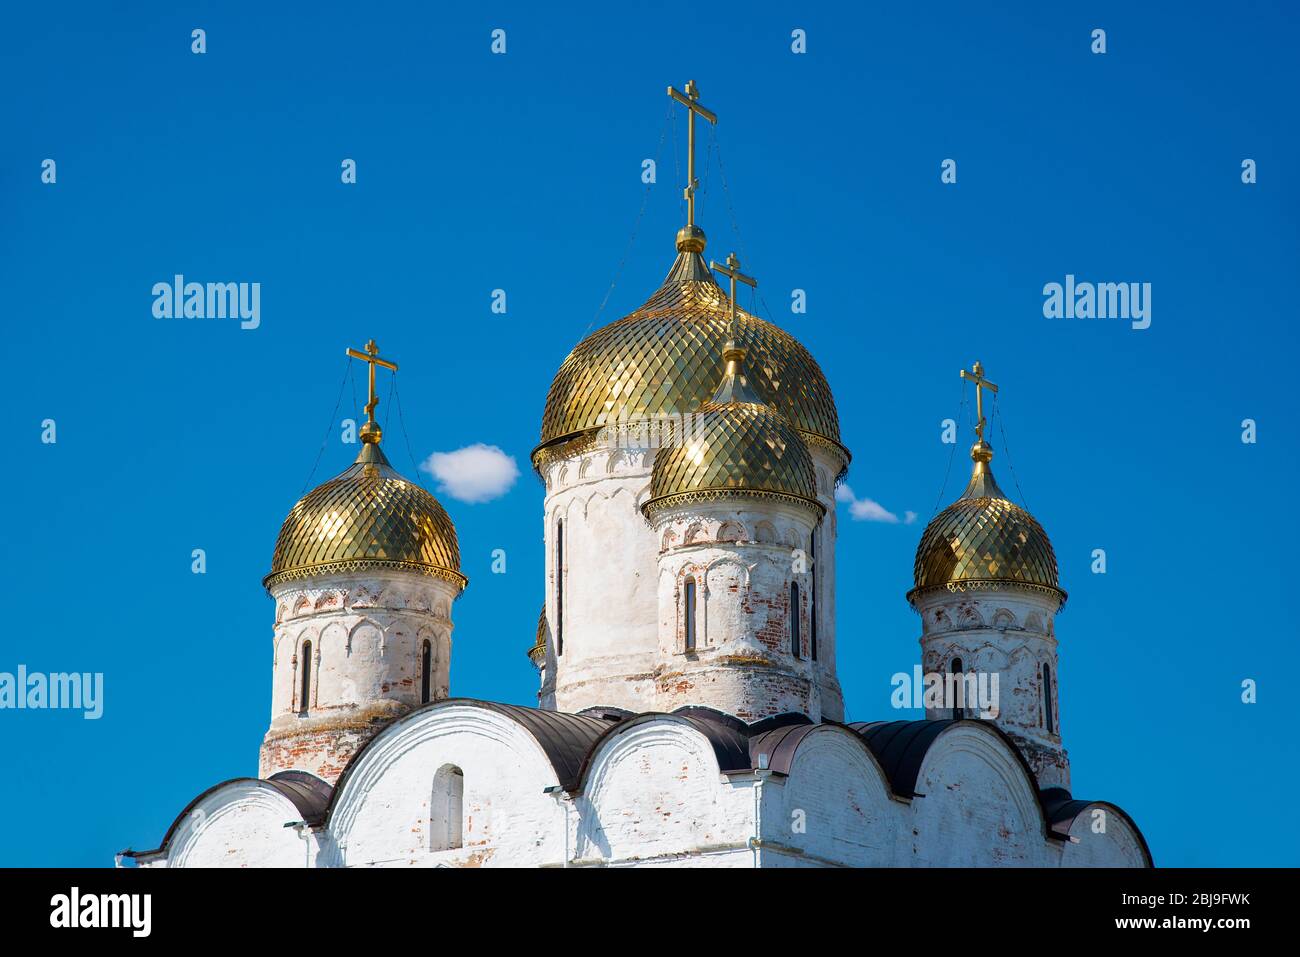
x=366, y=517
x=733, y=444
x=983, y=541
x=662, y=359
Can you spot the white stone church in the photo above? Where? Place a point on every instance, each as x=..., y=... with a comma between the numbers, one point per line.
x=689, y=712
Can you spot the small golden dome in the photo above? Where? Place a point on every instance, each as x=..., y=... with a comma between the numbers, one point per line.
x=661, y=359
x=984, y=541
x=733, y=444
x=537, y=651
x=691, y=239
x=366, y=517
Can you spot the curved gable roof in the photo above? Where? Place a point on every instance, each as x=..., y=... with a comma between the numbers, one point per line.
x=571, y=741
x=309, y=795
x=780, y=745
x=564, y=738
x=729, y=742
x=901, y=746
x=1062, y=810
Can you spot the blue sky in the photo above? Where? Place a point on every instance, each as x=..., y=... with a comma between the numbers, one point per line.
x=522, y=172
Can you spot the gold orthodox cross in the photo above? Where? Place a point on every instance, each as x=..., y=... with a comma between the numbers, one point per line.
x=976, y=375
x=732, y=270
x=370, y=431
x=691, y=100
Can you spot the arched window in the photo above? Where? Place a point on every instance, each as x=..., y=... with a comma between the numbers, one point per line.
x=446, y=809
x=559, y=587
x=1047, y=698
x=812, y=597
x=304, y=701
x=794, y=619
x=957, y=684
x=690, y=614
x=426, y=672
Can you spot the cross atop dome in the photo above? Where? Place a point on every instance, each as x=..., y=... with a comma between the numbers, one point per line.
x=691, y=100
x=662, y=358
x=370, y=432
x=691, y=237
x=734, y=386
x=976, y=375
x=732, y=271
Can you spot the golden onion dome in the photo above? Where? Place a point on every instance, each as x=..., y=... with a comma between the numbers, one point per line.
x=367, y=517
x=660, y=360
x=537, y=650
x=984, y=541
x=734, y=444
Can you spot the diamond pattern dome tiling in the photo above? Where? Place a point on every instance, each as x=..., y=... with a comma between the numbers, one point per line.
x=367, y=516
x=662, y=358
x=736, y=446
x=983, y=539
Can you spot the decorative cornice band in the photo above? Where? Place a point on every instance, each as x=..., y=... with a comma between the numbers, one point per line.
x=564, y=447
x=362, y=564
x=988, y=584
x=813, y=440
x=575, y=443
x=716, y=495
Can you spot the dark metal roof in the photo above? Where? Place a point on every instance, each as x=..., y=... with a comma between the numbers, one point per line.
x=566, y=738
x=901, y=746
x=1061, y=811
x=730, y=745
x=607, y=713
x=761, y=737
x=739, y=726
x=714, y=716
x=779, y=721
x=570, y=742
x=729, y=742
x=780, y=745
x=309, y=794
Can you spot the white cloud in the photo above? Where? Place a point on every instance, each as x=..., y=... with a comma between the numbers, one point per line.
x=476, y=473
x=868, y=510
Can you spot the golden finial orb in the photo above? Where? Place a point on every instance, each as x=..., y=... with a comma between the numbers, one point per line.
x=690, y=239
